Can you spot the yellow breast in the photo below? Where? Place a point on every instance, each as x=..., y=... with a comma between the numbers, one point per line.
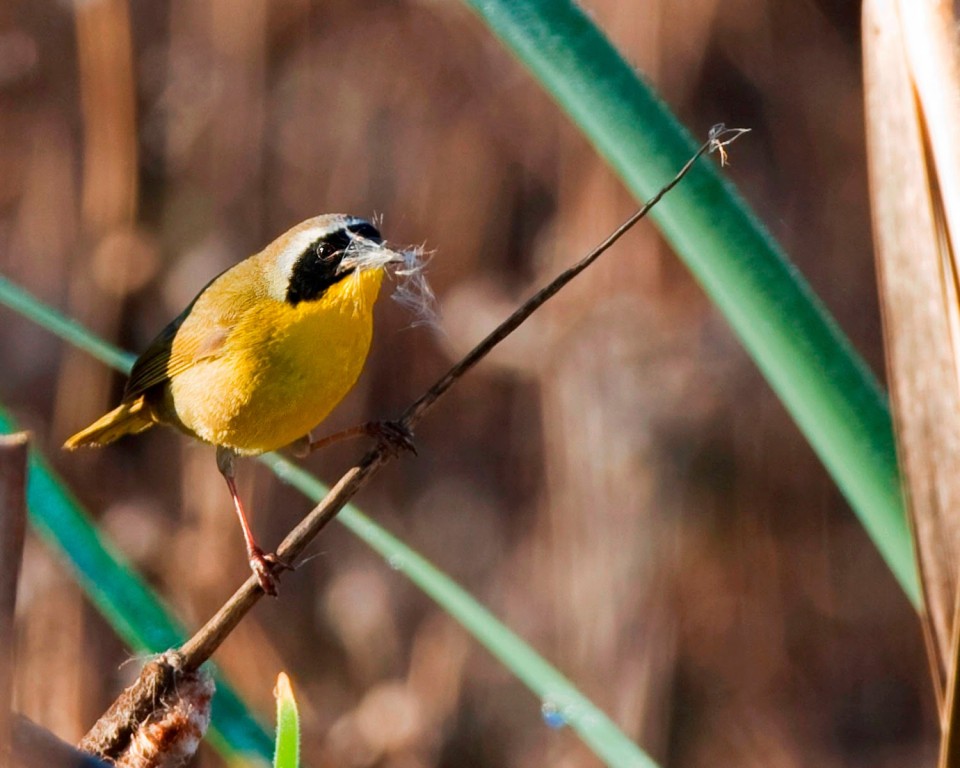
x=282, y=370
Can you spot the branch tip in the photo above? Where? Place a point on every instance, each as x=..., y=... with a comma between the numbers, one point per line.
x=720, y=137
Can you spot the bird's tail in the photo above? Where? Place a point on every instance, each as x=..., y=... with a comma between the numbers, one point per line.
x=126, y=419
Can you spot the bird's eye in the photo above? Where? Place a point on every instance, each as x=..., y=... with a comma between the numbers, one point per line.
x=327, y=252
x=319, y=266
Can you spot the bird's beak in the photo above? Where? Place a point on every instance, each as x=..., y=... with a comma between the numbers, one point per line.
x=368, y=254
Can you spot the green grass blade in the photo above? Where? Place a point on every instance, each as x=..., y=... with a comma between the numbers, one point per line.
x=561, y=702
x=287, y=754
x=825, y=385
x=137, y=614
x=69, y=330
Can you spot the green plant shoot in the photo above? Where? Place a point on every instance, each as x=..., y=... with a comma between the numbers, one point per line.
x=288, y=726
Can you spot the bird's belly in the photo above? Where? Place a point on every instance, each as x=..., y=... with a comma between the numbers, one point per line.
x=279, y=388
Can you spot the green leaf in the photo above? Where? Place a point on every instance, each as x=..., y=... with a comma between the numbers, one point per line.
x=69, y=330
x=287, y=754
x=823, y=382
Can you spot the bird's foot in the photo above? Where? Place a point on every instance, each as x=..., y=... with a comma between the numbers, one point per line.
x=267, y=568
x=394, y=436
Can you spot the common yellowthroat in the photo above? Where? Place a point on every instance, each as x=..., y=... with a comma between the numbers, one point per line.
x=262, y=354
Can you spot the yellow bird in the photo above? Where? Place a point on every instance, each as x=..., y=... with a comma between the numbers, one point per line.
x=263, y=354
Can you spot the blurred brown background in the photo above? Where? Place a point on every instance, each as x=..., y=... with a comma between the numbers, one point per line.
x=617, y=483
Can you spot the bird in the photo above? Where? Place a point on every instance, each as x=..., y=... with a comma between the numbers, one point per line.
x=262, y=355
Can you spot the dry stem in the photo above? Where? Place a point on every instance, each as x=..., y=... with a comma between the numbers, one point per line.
x=13, y=521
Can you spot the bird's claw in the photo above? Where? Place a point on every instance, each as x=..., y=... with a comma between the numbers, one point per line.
x=394, y=436
x=267, y=568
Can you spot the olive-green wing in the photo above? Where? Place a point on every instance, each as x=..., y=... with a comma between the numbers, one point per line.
x=158, y=364
x=208, y=331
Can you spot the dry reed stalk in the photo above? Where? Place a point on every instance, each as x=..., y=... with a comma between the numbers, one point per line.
x=13, y=522
x=912, y=82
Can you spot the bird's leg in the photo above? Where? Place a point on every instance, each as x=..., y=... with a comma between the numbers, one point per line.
x=392, y=434
x=262, y=565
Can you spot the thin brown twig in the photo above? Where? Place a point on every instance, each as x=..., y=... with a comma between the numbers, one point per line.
x=720, y=137
x=201, y=646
